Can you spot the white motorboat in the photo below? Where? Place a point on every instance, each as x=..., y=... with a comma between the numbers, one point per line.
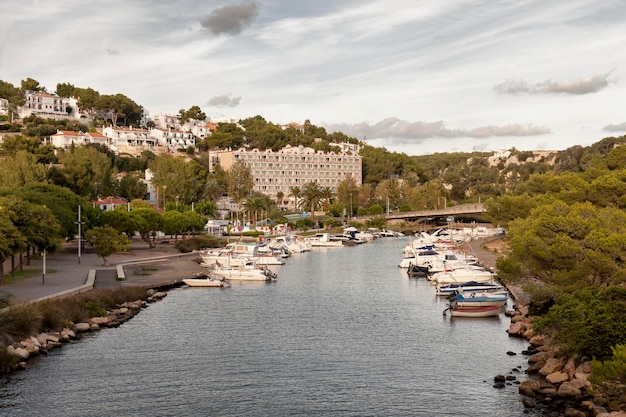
x=205, y=280
x=323, y=240
x=461, y=275
x=248, y=272
x=239, y=253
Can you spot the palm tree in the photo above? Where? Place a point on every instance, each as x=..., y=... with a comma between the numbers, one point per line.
x=296, y=193
x=311, y=197
x=253, y=204
x=327, y=193
x=279, y=197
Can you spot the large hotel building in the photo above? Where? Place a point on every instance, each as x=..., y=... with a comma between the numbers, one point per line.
x=293, y=166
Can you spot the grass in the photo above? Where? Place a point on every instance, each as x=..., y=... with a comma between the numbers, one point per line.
x=23, y=320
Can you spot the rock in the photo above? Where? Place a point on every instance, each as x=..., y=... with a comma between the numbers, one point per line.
x=511, y=353
x=529, y=388
x=571, y=412
x=552, y=365
x=94, y=327
x=499, y=385
x=567, y=389
x=528, y=403
x=82, y=327
x=551, y=391
x=517, y=318
x=517, y=329
x=499, y=378
x=19, y=352
x=539, y=357
x=537, y=340
x=557, y=377
x=100, y=321
x=584, y=368
x=570, y=367
x=511, y=378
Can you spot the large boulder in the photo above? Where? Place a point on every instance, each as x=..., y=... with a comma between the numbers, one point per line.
x=19, y=352
x=540, y=357
x=529, y=387
x=557, y=377
x=82, y=327
x=568, y=389
x=552, y=365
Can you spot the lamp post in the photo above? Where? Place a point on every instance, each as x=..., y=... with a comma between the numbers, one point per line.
x=43, y=274
x=350, y=206
x=80, y=236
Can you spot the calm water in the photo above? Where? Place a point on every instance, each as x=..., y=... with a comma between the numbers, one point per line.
x=343, y=332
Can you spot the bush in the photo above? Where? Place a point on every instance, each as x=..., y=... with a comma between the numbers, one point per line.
x=588, y=322
x=200, y=242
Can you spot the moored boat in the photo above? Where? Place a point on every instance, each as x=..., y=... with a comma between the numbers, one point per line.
x=478, y=299
x=487, y=311
x=205, y=280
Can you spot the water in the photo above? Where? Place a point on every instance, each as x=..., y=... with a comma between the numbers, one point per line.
x=343, y=332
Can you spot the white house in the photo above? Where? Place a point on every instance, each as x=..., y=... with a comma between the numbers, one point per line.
x=173, y=139
x=46, y=105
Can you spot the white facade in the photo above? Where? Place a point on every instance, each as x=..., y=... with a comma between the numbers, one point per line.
x=166, y=121
x=173, y=139
x=4, y=106
x=275, y=172
x=44, y=105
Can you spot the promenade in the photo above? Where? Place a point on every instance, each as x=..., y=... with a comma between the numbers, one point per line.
x=142, y=266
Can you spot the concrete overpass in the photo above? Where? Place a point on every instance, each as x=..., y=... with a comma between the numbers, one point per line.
x=462, y=209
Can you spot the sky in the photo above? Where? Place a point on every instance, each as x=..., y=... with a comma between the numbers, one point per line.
x=413, y=76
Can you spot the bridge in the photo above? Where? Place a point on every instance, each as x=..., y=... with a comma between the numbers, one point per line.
x=462, y=209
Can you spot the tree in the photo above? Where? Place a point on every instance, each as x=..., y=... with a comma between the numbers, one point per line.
x=131, y=187
x=87, y=99
x=253, y=204
x=10, y=240
x=14, y=95
x=326, y=196
x=30, y=84
x=175, y=223
x=150, y=224
x=295, y=192
x=347, y=192
x=107, y=241
x=86, y=171
x=194, y=113
x=182, y=179
x=65, y=90
x=240, y=181
x=21, y=169
x=311, y=197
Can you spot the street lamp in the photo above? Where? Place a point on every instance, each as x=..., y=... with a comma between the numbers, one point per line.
x=350, y=206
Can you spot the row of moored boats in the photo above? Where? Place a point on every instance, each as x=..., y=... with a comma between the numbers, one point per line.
x=254, y=261
x=445, y=260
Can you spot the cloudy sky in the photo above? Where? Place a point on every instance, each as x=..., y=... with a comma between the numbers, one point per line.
x=414, y=76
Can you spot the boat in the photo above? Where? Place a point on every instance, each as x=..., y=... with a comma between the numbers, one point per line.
x=239, y=253
x=470, y=286
x=247, y=272
x=487, y=311
x=462, y=275
x=323, y=240
x=478, y=299
x=206, y=280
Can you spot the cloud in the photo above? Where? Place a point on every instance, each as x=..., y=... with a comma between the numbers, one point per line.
x=224, y=101
x=587, y=85
x=231, y=20
x=615, y=128
x=395, y=128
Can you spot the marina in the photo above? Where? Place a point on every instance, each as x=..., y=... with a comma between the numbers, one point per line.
x=341, y=332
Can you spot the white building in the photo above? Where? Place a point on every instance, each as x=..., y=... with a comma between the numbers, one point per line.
x=4, y=106
x=173, y=139
x=44, y=105
x=275, y=172
x=166, y=121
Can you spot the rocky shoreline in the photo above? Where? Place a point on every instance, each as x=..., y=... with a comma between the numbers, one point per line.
x=31, y=347
x=558, y=384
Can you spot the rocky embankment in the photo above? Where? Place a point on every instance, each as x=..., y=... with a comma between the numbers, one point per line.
x=556, y=382
x=34, y=346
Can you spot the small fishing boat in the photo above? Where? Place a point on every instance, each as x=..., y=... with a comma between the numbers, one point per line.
x=487, y=311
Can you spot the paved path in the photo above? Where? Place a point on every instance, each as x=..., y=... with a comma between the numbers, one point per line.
x=64, y=273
